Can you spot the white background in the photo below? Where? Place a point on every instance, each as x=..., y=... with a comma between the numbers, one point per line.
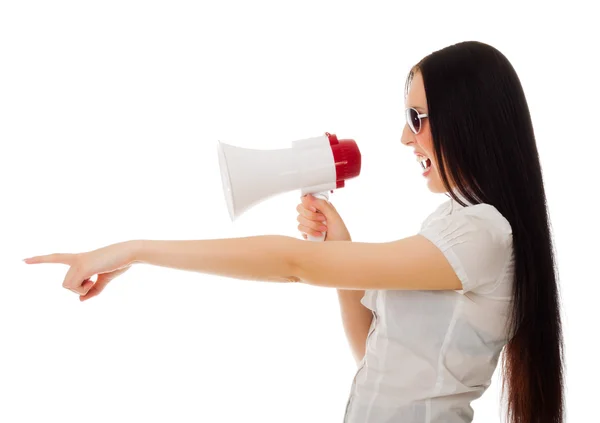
x=110, y=114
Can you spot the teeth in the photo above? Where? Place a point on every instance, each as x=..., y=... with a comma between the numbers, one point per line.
x=423, y=161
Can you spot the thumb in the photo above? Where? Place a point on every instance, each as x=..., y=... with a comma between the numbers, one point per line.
x=96, y=288
x=87, y=285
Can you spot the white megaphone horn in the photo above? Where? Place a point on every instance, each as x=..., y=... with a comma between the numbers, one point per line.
x=313, y=165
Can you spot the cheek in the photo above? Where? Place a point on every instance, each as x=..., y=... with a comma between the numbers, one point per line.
x=426, y=143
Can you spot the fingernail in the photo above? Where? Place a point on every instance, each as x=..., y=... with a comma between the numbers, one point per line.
x=324, y=222
x=314, y=210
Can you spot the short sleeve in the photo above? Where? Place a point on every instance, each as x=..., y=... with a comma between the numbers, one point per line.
x=477, y=242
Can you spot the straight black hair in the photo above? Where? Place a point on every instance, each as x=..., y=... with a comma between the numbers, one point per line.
x=485, y=147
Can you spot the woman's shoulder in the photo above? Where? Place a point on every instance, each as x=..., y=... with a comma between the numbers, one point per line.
x=485, y=215
x=477, y=241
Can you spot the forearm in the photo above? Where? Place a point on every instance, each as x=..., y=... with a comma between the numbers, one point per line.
x=356, y=319
x=260, y=258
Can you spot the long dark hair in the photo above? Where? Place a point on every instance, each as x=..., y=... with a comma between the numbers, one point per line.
x=484, y=144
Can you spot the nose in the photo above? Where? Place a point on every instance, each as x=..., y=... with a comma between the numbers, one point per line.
x=407, y=136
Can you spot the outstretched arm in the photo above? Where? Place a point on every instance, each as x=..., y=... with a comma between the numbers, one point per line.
x=410, y=263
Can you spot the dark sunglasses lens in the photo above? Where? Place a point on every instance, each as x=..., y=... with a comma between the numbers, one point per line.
x=413, y=120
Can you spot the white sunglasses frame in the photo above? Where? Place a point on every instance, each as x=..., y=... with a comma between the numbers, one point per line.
x=419, y=115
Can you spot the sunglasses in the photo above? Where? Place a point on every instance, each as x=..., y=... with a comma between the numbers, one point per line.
x=413, y=119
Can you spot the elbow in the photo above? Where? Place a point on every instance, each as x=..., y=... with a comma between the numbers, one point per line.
x=314, y=263
x=295, y=271
x=290, y=254
x=296, y=259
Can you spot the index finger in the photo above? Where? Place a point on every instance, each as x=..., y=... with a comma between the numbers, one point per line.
x=50, y=258
x=306, y=203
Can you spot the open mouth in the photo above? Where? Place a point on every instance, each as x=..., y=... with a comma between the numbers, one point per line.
x=424, y=161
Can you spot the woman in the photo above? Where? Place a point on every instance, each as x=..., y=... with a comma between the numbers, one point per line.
x=427, y=316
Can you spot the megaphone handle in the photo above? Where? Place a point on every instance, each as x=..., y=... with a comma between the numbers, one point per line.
x=324, y=195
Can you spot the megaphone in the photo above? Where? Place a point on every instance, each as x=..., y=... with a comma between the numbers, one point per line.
x=315, y=166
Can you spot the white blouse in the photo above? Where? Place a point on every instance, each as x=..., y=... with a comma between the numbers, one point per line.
x=430, y=353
